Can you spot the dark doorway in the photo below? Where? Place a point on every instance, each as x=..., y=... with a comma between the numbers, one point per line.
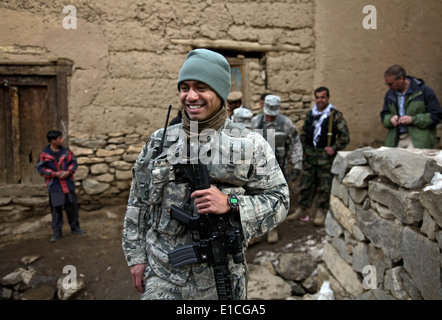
x=33, y=100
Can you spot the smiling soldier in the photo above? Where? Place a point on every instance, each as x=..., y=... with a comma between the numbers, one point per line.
x=238, y=192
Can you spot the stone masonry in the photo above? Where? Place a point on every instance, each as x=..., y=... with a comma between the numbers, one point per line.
x=384, y=225
x=103, y=178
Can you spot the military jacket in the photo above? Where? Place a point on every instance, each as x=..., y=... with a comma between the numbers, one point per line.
x=339, y=139
x=241, y=162
x=287, y=143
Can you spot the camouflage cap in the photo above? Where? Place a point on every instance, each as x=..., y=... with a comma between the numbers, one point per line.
x=242, y=114
x=272, y=105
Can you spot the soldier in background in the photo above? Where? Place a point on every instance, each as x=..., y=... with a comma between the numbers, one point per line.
x=287, y=142
x=262, y=100
x=244, y=116
x=253, y=190
x=234, y=102
x=323, y=134
x=280, y=130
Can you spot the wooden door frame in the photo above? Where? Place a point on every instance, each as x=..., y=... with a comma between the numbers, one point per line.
x=24, y=73
x=240, y=62
x=61, y=69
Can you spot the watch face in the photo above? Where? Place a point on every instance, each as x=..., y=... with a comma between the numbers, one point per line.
x=233, y=202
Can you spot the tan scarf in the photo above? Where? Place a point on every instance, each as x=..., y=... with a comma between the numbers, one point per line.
x=215, y=122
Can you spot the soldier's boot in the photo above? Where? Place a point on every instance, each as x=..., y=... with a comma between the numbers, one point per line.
x=299, y=213
x=319, y=216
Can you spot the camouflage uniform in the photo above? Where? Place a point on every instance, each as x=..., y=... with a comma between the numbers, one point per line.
x=286, y=140
x=149, y=233
x=316, y=174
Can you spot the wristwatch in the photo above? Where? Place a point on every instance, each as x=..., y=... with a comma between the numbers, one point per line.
x=232, y=200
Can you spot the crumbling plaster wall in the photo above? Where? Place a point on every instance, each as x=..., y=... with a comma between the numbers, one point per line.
x=126, y=57
x=127, y=54
x=351, y=60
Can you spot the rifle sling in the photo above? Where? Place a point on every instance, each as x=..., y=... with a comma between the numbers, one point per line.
x=330, y=128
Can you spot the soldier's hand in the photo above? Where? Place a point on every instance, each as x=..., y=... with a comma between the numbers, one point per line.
x=211, y=201
x=295, y=174
x=137, y=272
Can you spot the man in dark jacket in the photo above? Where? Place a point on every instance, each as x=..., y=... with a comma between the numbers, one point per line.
x=57, y=165
x=411, y=111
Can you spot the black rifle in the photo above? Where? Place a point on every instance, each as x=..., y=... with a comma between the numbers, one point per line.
x=160, y=149
x=219, y=235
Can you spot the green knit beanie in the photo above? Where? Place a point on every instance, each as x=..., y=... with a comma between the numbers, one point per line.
x=208, y=67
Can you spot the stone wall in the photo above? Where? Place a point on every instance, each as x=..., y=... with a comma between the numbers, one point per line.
x=384, y=235
x=103, y=178
x=105, y=162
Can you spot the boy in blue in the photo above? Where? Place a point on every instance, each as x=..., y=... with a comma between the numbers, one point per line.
x=57, y=165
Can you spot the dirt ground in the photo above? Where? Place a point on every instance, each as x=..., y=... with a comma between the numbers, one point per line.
x=97, y=254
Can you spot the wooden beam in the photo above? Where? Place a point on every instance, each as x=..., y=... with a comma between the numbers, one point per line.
x=15, y=114
x=49, y=68
x=24, y=190
x=244, y=46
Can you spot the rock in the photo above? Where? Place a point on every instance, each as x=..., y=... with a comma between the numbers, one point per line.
x=29, y=259
x=28, y=227
x=272, y=236
x=40, y=292
x=109, y=153
x=431, y=200
x=66, y=291
x=263, y=285
x=375, y=228
x=78, y=151
x=404, y=204
x=92, y=186
x=347, y=159
x=6, y=293
x=17, y=276
x=99, y=168
x=343, y=273
x=412, y=173
x=358, y=177
x=417, y=249
x=295, y=266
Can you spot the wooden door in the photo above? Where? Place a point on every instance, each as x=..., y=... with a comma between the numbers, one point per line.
x=28, y=111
